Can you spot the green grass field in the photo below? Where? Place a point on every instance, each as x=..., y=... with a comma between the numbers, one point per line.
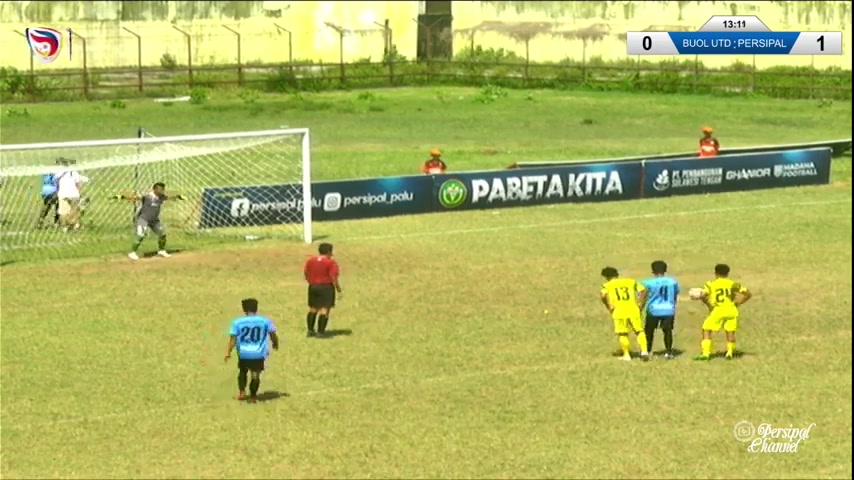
x=452, y=368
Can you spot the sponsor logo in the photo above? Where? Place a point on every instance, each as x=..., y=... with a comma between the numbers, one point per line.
x=748, y=173
x=46, y=43
x=662, y=181
x=452, y=193
x=332, y=202
x=531, y=187
x=696, y=177
x=804, y=169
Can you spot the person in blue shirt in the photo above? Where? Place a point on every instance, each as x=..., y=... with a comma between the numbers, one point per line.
x=662, y=292
x=248, y=334
x=49, y=198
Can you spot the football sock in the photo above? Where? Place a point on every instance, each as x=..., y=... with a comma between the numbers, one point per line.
x=310, y=318
x=642, y=342
x=706, y=347
x=241, y=381
x=730, y=348
x=668, y=341
x=161, y=242
x=136, y=243
x=253, y=386
x=624, y=344
x=322, y=321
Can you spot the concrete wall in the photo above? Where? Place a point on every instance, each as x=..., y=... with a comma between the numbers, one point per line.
x=103, y=26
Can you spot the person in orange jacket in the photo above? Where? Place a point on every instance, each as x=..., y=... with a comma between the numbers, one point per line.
x=435, y=164
x=709, y=145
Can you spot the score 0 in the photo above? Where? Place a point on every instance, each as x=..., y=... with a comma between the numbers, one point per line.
x=650, y=43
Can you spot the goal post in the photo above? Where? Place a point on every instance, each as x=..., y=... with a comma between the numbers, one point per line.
x=245, y=184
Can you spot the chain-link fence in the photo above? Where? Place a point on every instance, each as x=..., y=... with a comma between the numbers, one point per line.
x=124, y=62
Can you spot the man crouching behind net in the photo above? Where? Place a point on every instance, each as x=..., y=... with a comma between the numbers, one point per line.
x=148, y=217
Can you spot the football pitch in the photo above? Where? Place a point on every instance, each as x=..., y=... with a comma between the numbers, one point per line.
x=469, y=344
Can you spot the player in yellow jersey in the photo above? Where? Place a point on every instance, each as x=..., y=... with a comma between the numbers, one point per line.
x=723, y=296
x=623, y=297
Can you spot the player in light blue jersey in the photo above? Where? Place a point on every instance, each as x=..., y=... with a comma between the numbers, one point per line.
x=50, y=202
x=661, y=305
x=248, y=334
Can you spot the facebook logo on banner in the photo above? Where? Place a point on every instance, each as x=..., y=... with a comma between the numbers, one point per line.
x=240, y=207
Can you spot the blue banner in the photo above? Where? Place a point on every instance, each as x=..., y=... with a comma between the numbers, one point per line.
x=537, y=186
x=732, y=173
x=734, y=43
x=345, y=200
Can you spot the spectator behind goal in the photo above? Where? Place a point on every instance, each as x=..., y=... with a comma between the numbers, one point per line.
x=434, y=164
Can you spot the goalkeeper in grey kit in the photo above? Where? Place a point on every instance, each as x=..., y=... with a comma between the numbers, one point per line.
x=148, y=218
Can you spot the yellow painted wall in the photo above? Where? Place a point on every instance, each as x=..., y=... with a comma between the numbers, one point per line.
x=108, y=44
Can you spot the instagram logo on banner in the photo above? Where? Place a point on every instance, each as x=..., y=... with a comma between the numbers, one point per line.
x=46, y=43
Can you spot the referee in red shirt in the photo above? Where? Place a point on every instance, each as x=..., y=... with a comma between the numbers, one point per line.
x=321, y=273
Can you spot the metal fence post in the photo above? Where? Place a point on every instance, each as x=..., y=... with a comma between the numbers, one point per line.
x=239, y=55
x=341, y=31
x=388, y=49
x=85, y=65
x=31, y=85
x=140, y=85
x=696, y=73
x=281, y=29
x=189, y=55
x=753, y=76
x=584, y=60
x=812, y=77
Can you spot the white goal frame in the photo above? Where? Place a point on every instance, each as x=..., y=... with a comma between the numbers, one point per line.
x=305, y=145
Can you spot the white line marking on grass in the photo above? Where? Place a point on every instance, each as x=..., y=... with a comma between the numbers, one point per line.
x=587, y=221
x=309, y=393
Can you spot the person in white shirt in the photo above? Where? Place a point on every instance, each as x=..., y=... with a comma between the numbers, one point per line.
x=68, y=182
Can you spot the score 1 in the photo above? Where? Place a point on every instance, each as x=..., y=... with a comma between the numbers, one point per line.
x=650, y=43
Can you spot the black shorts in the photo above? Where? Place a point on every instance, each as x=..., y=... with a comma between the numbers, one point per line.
x=321, y=296
x=50, y=200
x=664, y=322
x=251, y=364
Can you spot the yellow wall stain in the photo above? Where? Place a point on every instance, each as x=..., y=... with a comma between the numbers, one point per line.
x=262, y=28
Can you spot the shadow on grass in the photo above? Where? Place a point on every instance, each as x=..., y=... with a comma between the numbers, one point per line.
x=6, y=262
x=736, y=355
x=271, y=395
x=679, y=353
x=154, y=254
x=343, y=332
x=676, y=353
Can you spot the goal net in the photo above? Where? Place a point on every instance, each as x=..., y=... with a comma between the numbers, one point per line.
x=245, y=184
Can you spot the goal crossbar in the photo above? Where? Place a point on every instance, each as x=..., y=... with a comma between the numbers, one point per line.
x=152, y=140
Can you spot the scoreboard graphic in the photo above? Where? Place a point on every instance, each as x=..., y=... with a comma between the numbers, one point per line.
x=734, y=35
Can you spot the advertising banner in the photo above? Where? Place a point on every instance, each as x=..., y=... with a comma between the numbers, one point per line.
x=512, y=188
x=345, y=200
x=732, y=173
